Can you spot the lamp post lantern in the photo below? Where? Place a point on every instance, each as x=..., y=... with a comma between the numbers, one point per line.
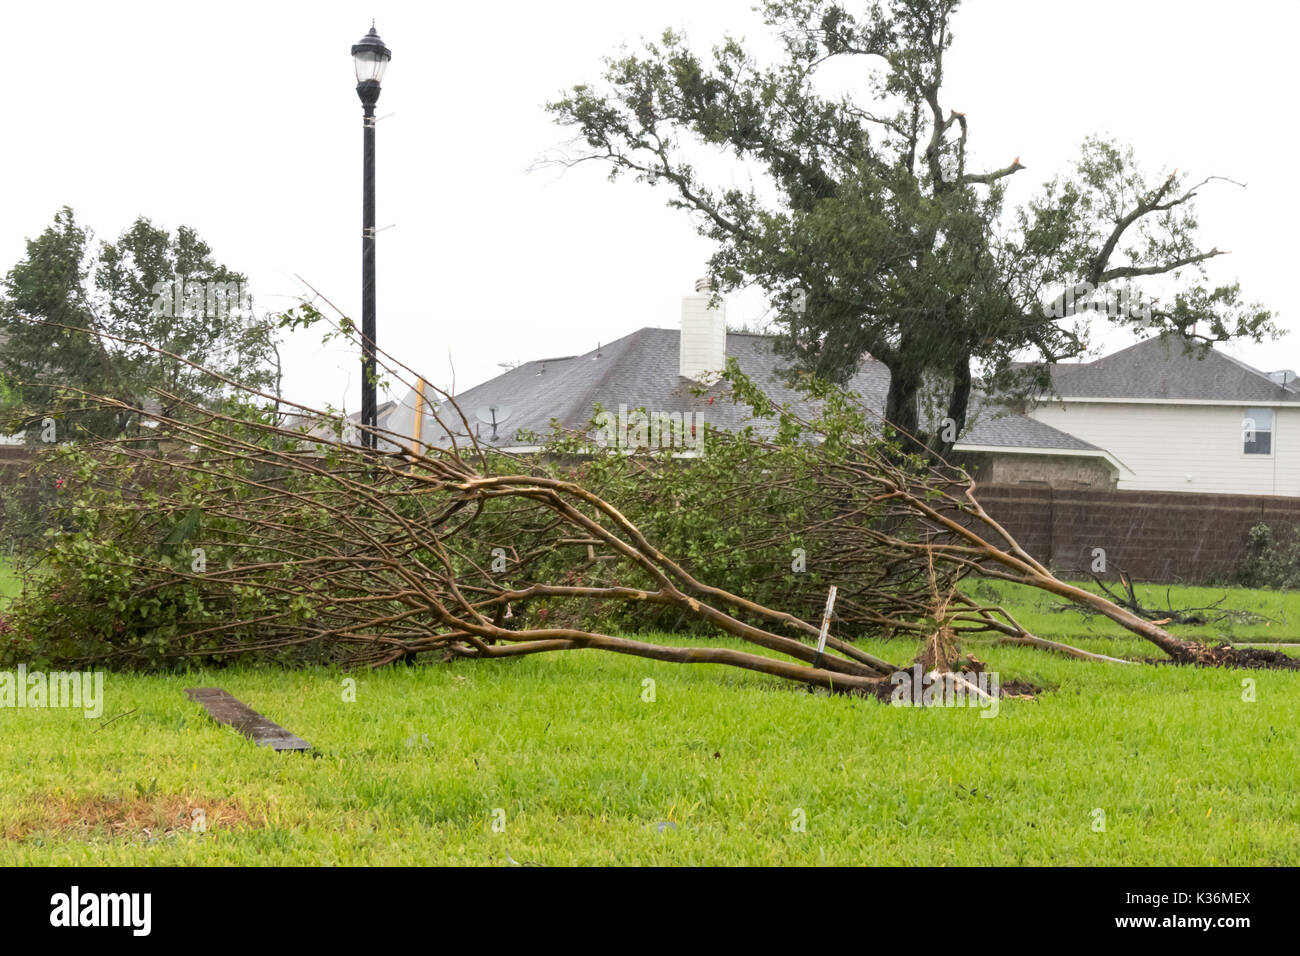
x=370, y=57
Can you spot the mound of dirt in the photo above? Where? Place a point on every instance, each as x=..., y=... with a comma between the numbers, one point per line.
x=1225, y=655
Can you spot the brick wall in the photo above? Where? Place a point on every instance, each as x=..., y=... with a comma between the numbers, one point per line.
x=1154, y=535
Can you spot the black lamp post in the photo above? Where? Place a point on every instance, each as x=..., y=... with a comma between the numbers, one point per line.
x=370, y=57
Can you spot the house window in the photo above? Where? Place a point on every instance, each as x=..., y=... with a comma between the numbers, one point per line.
x=1257, y=431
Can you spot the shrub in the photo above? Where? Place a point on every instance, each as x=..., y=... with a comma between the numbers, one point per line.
x=114, y=577
x=1269, y=562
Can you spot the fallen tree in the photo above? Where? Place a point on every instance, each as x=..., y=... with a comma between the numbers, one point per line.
x=899, y=532
x=226, y=534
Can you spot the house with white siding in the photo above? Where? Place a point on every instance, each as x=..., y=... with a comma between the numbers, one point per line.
x=1178, y=416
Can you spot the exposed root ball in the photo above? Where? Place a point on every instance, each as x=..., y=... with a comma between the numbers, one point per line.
x=1225, y=655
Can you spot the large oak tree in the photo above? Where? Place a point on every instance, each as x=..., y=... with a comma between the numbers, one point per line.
x=871, y=230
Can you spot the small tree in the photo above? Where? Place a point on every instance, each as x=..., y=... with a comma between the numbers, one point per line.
x=148, y=286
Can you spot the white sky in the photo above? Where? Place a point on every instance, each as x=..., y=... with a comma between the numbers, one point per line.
x=241, y=120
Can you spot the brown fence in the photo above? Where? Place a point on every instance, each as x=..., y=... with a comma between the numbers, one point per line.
x=13, y=462
x=1153, y=535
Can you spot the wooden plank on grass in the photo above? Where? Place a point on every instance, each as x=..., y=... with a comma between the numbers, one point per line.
x=225, y=709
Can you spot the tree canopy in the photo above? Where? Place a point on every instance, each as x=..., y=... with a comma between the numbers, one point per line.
x=870, y=229
x=149, y=290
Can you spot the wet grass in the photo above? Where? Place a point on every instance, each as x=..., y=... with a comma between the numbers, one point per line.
x=562, y=759
x=1048, y=616
x=10, y=582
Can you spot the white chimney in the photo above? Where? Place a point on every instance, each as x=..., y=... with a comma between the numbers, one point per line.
x=704, y=335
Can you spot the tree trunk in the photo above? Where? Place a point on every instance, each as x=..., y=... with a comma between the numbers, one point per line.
x=958, y=404
x=901, y=407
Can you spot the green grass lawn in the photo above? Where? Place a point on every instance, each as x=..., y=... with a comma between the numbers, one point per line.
x=557, y=759
x=565, y=757
x=1048, y=616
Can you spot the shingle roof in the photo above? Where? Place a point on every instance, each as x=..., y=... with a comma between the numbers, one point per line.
x=997, y=427
x=1163, y=368
x=641, y=370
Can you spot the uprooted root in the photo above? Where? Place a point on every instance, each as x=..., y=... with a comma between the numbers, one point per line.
x=1225, y=655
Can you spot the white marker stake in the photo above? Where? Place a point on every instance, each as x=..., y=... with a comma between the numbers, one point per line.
x=826, y=627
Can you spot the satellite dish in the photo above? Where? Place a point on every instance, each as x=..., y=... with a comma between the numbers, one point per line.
x=493, y=415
